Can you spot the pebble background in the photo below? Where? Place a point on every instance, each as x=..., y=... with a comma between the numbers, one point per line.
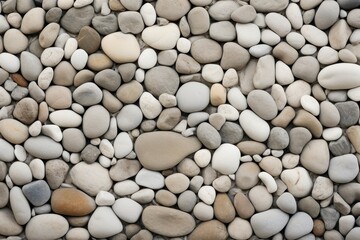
x=179, y=119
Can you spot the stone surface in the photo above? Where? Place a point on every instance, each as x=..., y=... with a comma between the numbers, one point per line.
x=160, y=151
x=209, y=229
x=49, y=226
x=269, y=223
x=167, y=221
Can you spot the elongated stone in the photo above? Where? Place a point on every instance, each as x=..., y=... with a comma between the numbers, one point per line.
x=163, y=150
x=340, y=76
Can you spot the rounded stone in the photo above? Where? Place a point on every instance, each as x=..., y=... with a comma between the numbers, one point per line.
x=161, y=79
x=193, y=97
x=96, y=121
x=43, y=147
x=13, y=131
x=46, y=226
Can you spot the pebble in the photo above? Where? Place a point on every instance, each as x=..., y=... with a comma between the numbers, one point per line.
x=49, y=226
x=161, y=79
x=155, y=142
x=177, y=183
x=13, y=131
x=151, y=36
x=9, y=62
x=9, y=227
x=150, y=179
x=293, y=231
x=262, y=104
x=200, y=55
x=328, y=77
x=208, y=135
x=37, y=192
x=127, y=209
x=167, y=221
x=20, y=206
x=226, y=159
x=104, y=223
x=209, y=229
x=268, y=223
x=322, y=156
x=298, y=181
x=248, y=120
x=91, y=178
x=248, y=34
x=343, y=169
x=65, y=201
x=43, y=147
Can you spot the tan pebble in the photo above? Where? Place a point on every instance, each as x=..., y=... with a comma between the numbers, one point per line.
x=213, y=229
x=98, y=62
x=318, y=92
x=285, y=53
x=223, y=208
x=271, y=165
x=83, y=76
x=319, y=228
x=284, y=117
x=346, y=55
x=129, y=92
x=339, y=34
x=243, y=206
x=64, y=74
x=247, y=175
x=307, y=120
x=217, y=94
x=251, y=147
x=165, y=198
x=353, y=134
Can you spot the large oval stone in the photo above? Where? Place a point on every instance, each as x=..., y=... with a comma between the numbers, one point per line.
x=71, y=202
x=213, y=229
x=46, y=226
x=268, y=223
x=168, y=222
x=163, y=149
x=13, y=131
x=91, y=178
x=96, y=121
x=340, y=76
x=43, y=147
x=254, y=126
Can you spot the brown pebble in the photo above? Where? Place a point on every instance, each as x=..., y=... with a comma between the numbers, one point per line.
x=243, y=206
x=19, y=79
x=319, y=228
x=223, y=208
x=309, y=121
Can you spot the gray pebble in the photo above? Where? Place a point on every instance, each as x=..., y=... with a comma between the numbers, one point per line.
x=208, y=135
x=299, y=137
x=37, y=192
x=231, y=133
x=161, y=79
x=130, y=22
x=105, y=24
x=340, y=147
x=278, y=138
x=168, y=118
x=330, y=217
x=76, y=18
x=90, y=153
x=310, y=206
x=108, y=79
x=53, y=15
x=56, y=171
x=186, y=201
x=349, y=113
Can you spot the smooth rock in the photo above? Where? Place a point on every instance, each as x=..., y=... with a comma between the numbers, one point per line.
x=71, y=202
x=226, y=159
x=193, y=97
x=248, y=34
x=268, y=223
x=329, y=76
x=9, y=226
x=208, y=135
x=103, y=223
x=46, y=226
x=76, y=18
x=161, y=79
x=209, y=229
x=91, y=178
x=255, y=127
x=167, y=221
x=150, y=179
x=322, y=156
x=298, y=226
x=43, y=147
x=298, y=181
x=343, y=169
x=37, y=192
x=127, y=209
x=13, y=131
x=206, y=50
x=154, y=36
x=262, y=104
x=19, y=206
x=96, y=121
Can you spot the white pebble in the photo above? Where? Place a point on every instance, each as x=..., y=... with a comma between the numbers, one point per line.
x=207, y=194
x=104, y=198
x=183, y=45
x=202, y=157
x=147, y=58
x=332, y=134
x=212, y=73
x=310, y=104
x=79, y=59
x=268, y=181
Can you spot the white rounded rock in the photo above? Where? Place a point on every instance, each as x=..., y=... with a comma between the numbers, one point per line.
x=79, y=59
x=65, y=118
x=150, y=179
x=332, y=134
x=123, y=145
x=20, y=173
x=148, y=14
x=226, y=159
x=202, y=157
x=104, y=198
x=193, y=97
x=46, y=226
x=248, y=34
x=255, y=127
x=207, y=194
x=183, y=45
x=50, y=57
x=310, y=104
x=70, y=46
x=354, y=94
x=127, y=209
x=103, y=223
x=147, y=58
x=126, y=187
x=268, y=181
x=9, y=62
x=340, y=76
x=237, y=99
x=298, y=181
x=314, y=35
x=212, y=73
x=149, y=105
x=161, y=37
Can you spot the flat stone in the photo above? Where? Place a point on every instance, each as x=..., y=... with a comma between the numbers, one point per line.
x=154, y=36
x=188, y=101
x=124, y=169
x=199, y=20
x=37, y=192
x=322, y=156
x=208, y=135
x=33, y=21
x=127, y=209
x=96, y=121
x=56, y=171
x=268, y=223
x=167, y=221
x=341, y=146
x=127, y=48
x=13, y=131
x=202, y=56
x=234, y=56
x=248, y=120
x=9, y=226
x=287, y=203
x=65, y=118
x=58, y=97
x=270, y=6
x=248, y=34
x=91, y=178
x=103, y=223
x=244, y=14
x=26, y=110
x=76, y=18
x=349, y=113
x=172, y=11
x=19, y=206
x=130, y=22
x=298, y=181
x=160, y=151
x=186, y=201
x=323, y=188
x=161, y=79
x=293, y=231
x=15, y=41
x=49, y=226
x=43, y=147
x=71, y=202
x=73, y=140
x=247, y=175
x=209, y=229
x=329, y=114
x=262, y=104
x=330, y=75
x=264, y=67
x=343, y=169
x=105, y=24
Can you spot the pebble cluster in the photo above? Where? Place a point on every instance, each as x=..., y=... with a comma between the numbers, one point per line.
x=179, y=119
